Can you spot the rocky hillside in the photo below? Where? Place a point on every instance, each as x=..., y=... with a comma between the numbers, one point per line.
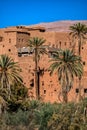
x=59, y=26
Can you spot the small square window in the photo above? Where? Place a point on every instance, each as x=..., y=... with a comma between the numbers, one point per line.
x=32, y=82
x=19, y=54
x=42, y=83
x=9, y=50
x=44, y=91
x=60, y=44
x=84, y=63
x=85, y=90
x=77, y=90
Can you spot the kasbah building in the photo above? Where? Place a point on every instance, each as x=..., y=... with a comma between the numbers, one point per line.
x=14, y=41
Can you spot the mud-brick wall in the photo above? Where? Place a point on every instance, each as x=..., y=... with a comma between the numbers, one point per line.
x=27, y=65
x=8, y=45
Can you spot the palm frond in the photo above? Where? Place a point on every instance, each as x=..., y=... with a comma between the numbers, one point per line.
x=67, y=65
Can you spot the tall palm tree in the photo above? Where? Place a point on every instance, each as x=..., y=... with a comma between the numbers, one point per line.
x=79, y=31
x=9, y=73
x=67, y=66
x=37, y=45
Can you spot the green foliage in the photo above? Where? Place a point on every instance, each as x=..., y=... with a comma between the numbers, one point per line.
x=18, y=98
x=46, y=116
x=19, y=94
x=18, y=121
x=70, y=117
x=19, y=118
x=42, y=115
x=34, y=104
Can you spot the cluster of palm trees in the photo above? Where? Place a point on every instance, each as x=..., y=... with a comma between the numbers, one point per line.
x=79, y=31
x=65, y=62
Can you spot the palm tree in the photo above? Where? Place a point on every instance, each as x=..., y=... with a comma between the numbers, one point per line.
x=9, y=73
x=37, y=45
x=79, y=31
x=67, y=66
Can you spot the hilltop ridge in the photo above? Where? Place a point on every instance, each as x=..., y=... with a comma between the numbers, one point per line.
x=59, y=26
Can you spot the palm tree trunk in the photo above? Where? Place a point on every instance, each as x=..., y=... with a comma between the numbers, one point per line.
x=79, y=89
x=65, y=97
x=36, y=73
x=79, y=53
x=9, y=92
x=79, y=46
x=9, y=89
x=64, y=93
x=38, y=83
x=2, y=84
x=0, y=109
x=74, y=45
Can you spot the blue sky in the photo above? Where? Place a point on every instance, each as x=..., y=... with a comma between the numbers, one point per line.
x=27, y=12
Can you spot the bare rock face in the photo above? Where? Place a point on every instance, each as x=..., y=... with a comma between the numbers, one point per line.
x=60, y=26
